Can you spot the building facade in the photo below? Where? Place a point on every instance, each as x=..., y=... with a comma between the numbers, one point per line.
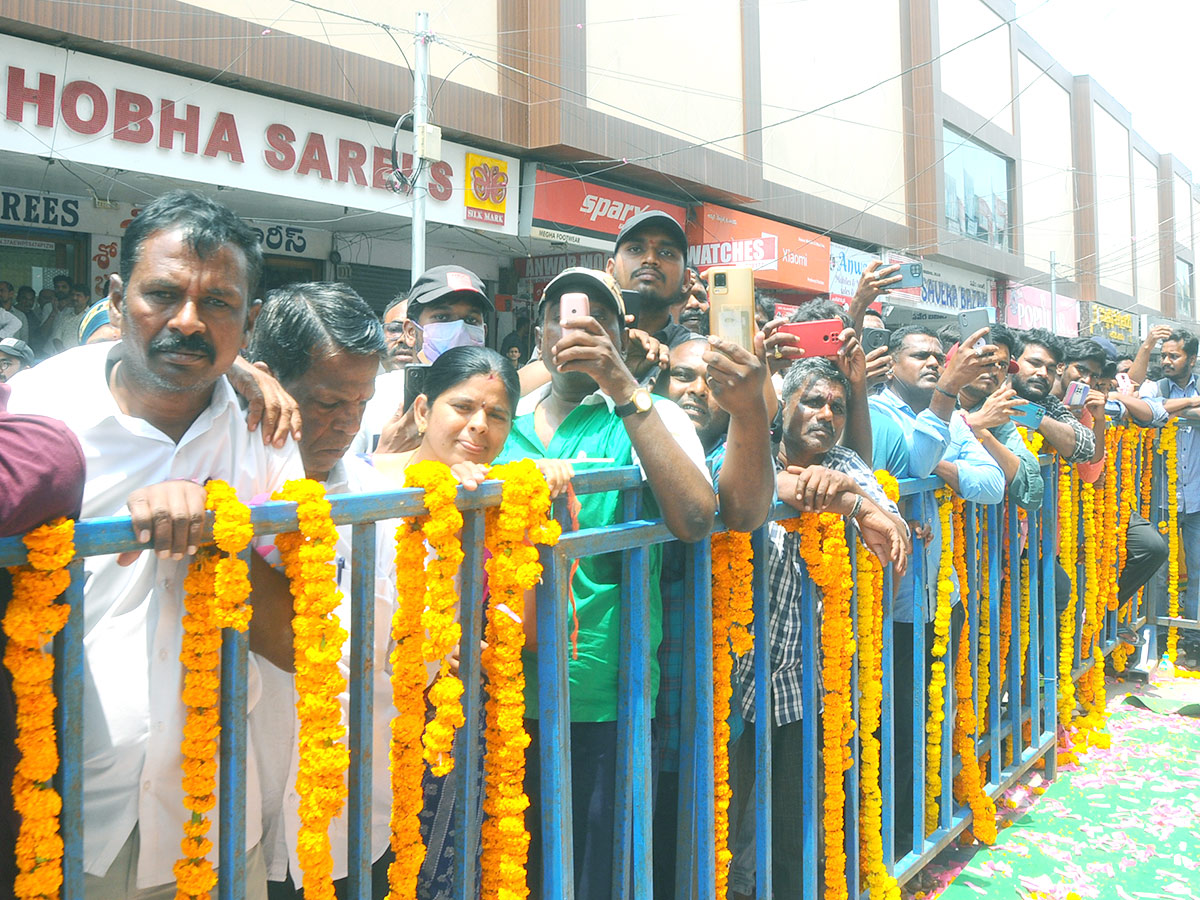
x=805, y=139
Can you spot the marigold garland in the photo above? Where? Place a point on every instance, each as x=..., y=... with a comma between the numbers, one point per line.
x=1068, y=520
x=30, y=622
x=985, y=629
x=880, y=884
x=216, y=591
x=1033, y=442
x=318, y=639
x=732, y=612
x=969, y=782
x=1130, y=439
x=827, y=557
x=1169, y=444
x=937, y=673
x=512, y=532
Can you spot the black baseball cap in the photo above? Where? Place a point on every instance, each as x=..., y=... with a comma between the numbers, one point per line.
x=655, y=218
x=440, y=282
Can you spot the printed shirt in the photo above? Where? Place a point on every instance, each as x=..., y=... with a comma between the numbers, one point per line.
x=273, y=722
x=593, y=430
x=133, y=615
x=1085, y=440
x=785, y=575
x=1187, y=441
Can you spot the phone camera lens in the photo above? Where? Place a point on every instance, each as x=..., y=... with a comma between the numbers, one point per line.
x=719, y=279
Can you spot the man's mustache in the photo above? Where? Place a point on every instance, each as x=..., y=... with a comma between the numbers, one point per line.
x=183, y=343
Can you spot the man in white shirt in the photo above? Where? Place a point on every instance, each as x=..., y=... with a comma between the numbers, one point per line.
x=323, y=343
x=66, y=326
x=156, y=417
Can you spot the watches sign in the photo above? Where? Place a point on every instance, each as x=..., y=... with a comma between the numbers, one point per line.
x=783, y=256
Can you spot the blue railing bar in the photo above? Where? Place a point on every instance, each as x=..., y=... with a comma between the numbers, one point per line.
x=973, y=534
x=231, y=872
x=641, y=712
x=362, y=702
x=467, y=764
x=1033, y=661
x=921, y=602
x=114, y=534
x=1049, y=535
x=686, y=808
x=912, y=486
x=887, y=734
x=995, y=689
x=764, y=716
x=68, y=723
x=554, y=733
x=634, y=607
x=1015, y=662
x=811, y=710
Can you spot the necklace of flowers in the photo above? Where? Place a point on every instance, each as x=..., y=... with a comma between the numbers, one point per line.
x=216, y=590
x=825, y=553
x=985, y=630
x=1129, y=438
x=732, y=615
x=512, y=532
x=1032, y=441
x=1068, y=519
x=937, y=674
x=423, y=630
x=1005, y=640
x=1087, y=730
x=30, y=622
x=1168, y=445
x=1147, y=456
x=880, y=884
x=318, y=638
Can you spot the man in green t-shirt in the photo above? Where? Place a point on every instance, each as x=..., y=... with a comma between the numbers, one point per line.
x=594, y=409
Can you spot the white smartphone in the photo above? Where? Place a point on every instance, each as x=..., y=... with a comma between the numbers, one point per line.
x=1076, y=393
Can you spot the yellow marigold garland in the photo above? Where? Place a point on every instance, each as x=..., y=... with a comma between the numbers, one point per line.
x=969, y=782
x=216, y=591
x=985, y=628
x=1169, y=445
x=937, y=673
x=441, y=529
x=513, y=530
x=1147, y=456
x=1129, y=439
x=1068, y=518
x=880, y=884
x=1005, y=640
x=30, y=622
x=732, y=576
x=408, y=685
x=318, y=638
x=1032, y=441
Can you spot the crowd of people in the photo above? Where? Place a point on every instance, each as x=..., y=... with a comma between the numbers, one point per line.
x=195, y=379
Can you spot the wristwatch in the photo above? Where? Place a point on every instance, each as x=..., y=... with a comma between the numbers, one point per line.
x=640, y=402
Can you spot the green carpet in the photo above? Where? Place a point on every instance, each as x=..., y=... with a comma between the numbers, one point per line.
x=1123, y=824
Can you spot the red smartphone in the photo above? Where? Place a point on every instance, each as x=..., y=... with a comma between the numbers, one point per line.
x=573, y=305
x=820, y=338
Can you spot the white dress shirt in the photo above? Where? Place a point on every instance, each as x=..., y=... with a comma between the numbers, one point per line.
x=10, y=325
x=132, y=712
x=274, y=724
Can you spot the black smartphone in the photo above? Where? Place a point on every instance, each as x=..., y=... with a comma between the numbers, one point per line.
x=874, y=338
x=633, y=305
x=414, y=383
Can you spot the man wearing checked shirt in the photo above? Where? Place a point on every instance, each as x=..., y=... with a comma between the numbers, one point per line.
x=921, y=398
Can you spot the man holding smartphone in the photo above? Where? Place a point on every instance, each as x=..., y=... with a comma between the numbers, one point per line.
x=594, y=408
x=1039, y=354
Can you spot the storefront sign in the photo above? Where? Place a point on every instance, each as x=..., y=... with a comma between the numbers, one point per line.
x=946, y=290
x=567, y=209
x=782, y=256
x=846, y=267
x=68, y=105
x=1030, y=307
x=486, y=190
x=535, y=272
x=23, y=244
x=1114, y=324
x=279, y=239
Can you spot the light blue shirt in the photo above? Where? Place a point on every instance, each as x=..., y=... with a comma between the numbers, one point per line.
x=1187, y=441
x=980, y=479
x=926, y=436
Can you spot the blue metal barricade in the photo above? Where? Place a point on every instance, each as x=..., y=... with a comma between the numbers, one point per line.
x=1026, y=697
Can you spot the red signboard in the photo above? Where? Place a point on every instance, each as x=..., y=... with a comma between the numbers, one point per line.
x=585, y=213
x=783, y=256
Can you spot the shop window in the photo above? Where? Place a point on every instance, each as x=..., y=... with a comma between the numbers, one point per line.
x=1184, y=307
x=977, y=190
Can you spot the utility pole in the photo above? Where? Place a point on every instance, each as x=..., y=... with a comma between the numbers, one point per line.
x=1053, y=295
x=420, y=121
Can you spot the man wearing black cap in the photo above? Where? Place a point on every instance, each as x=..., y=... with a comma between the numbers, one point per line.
x=650, y=257
x=594, y=410
x=447, y=307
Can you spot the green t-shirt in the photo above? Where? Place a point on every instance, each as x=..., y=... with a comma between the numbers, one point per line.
x=593, y=431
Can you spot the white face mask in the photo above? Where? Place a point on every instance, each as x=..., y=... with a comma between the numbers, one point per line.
x=438, y=337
